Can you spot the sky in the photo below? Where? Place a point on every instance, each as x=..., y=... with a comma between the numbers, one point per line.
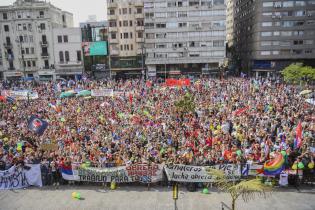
x=80, y=9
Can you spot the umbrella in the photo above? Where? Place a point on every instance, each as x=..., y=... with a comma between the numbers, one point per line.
x=304, y=92
x=66, y=94
x=84, y=93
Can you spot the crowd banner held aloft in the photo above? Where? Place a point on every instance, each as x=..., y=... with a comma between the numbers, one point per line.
x=102, y=93
x=187, y=173
x=20, y=94
x=37, y=125
x=177, y=82
x=140, y=172
x=21, y=177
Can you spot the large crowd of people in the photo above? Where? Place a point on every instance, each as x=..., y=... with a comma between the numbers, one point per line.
x=235, y=121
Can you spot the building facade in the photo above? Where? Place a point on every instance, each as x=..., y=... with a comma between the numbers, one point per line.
x=68, y=56
x=96, y=66
x=26, y=39
x=184, y=37
x=271, y=34
x=126, y=29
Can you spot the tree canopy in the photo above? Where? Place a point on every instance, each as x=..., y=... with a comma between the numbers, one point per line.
x=297, y=72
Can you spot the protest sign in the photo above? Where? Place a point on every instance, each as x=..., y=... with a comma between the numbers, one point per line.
x=49, y=147
x=18, y=177
x=20, y=94
x=140, y=172
x=37, y=125
x=187, y=173
x=102, y=92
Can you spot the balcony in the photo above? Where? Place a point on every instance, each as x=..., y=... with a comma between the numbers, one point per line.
x=140, y=40
x=70, y=63
x=112, y=29
x=139, y=28
x=43, y=44
x=112, y=5
x=112, y=17
x=114, y=52
x=139, y=16
x=45, y=55
x=7, y=45
x=138, y=4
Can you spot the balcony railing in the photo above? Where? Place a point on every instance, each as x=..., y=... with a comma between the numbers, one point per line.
x=45, y=55
x=45, y=43
x=112, y=5
x=7, y=45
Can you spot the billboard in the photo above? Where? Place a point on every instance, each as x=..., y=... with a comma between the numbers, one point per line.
x=95, y=48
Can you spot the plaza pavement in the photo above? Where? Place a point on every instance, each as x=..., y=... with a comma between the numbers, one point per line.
x=139, y=198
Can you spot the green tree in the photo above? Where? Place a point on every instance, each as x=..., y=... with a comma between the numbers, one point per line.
x=247, y=189
x=296, y=73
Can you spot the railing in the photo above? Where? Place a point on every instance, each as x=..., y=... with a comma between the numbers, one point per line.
x=44, y=54
x=7, y=45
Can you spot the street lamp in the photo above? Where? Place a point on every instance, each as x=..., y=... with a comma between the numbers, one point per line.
x=20, y=42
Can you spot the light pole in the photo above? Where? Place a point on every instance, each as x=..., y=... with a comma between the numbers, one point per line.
x=20, y=42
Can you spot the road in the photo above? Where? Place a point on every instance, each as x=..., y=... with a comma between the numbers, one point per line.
x=139, y=198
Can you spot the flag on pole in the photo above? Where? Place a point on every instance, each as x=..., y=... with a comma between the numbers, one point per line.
x=298, y=137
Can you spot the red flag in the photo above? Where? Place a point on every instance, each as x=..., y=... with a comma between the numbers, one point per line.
x=2, y=98
x=241, y=111
x=130, y=98
x=299, y=135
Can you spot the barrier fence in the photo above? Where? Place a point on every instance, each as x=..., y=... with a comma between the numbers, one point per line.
x=39, y=175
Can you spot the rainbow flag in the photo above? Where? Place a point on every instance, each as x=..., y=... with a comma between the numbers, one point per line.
x=273, y=167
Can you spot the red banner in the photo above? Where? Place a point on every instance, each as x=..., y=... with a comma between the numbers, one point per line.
x=177, y=82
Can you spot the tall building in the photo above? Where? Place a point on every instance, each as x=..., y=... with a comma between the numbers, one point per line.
x=184, y=37
x=126, y=28
x=271, y=34
x=26, y=39
x=68, y=53
x=96, y=66
x=230, y=8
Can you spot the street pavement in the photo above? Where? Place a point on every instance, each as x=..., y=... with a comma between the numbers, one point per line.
x=140, y=198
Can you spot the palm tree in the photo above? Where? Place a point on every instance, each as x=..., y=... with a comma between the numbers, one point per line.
x=247, y=189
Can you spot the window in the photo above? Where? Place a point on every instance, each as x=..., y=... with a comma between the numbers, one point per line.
x=299, y=3
x=130, y=35
x=59, y=39
x=298, y=33
x=61, y=58
x=286, y=33
x=44, y=39
x=125, y=11
x=130, y=10
x=79, y=57
x=111, y=12
x=161, y=25
x=41, y=14
x=6, y=28
x=131, y=47
x=308, y=51
x=27, y=50
x=112, y=24
x=30, y=27
x=140, y=35
x=182, y=14
x=46, y=63
x=130, y=23
x=34, y=63
x=275, y=52
x=125, y=23
x=32, y=50
x=268, y=4
x=120, y=24
x=218, y=43
x=67, y=56
x=265, y=53
x=42, y=26
x=266, y=24
x=266, y=33
x=297, y=42
x=139, y=10
x=113, y=35
x=5, y=16
x=19, y=27
x=287, y=3
x=276, y=33
x=266, y=43
x=121, y=47
x=125, y=35
x=65, y=38
x=309, y=41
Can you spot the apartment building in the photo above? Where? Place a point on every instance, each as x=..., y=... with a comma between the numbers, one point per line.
x=26, y=39
x=184, y=37
x=271, y=34
x=126, y=28
x=68, y=53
